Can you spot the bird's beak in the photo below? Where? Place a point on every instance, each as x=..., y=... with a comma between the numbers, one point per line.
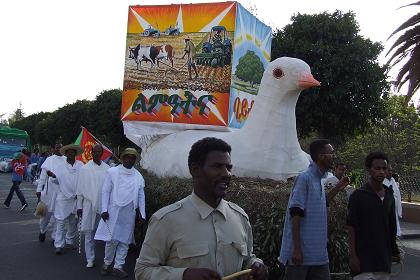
x=306, y=80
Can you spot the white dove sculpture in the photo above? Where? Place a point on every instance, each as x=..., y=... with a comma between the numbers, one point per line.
x=266, y=146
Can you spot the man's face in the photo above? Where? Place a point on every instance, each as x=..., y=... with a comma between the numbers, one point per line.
x=71, y=154
x=128, y=161
x=327, y=156
x=97, y=153
x=389, y=172
x=57, y=148
x=213, y=177
x=378, y=170
x=340, y=170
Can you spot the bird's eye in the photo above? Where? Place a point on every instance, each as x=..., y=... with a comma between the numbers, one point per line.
x=278, y=73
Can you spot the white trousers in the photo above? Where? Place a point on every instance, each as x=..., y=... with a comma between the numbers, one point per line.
x=61, y=237
x=48, y=221
x=118, y=249
x=89, y=245
x=373, y=276
x=90, y=241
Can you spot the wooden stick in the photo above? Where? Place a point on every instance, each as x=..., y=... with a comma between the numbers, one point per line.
x=237, y=274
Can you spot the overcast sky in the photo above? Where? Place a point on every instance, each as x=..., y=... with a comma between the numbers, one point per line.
x=56, y=52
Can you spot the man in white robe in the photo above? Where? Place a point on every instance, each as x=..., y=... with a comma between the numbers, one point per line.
x=89, y=188
x=123, y=204
x=65, y=208
x=46, y=191
x=392, y=184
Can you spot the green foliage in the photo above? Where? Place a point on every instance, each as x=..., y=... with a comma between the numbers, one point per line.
x=31, y=124
x=397, y=134
x=100, y=116
x=17, y=115
x=265, y=202
x=352, y=81
x=407, y=48
x=250, y=68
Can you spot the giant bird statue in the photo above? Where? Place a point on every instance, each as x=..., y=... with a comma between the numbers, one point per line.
x=266, y=146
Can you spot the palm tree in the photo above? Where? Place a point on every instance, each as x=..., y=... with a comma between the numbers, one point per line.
x=407, y=46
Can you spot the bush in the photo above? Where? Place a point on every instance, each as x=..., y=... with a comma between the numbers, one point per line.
x=265, y=202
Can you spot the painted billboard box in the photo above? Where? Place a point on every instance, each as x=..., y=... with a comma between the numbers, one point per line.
x=192, y=66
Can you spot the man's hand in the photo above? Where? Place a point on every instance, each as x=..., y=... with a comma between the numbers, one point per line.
x=343, y=183
x=259, y=271
x=200, y=274
x=139, y=219
x=105, y=216
x=79, y=212
x=49, y=173
x=354, y=263
x=297, y=256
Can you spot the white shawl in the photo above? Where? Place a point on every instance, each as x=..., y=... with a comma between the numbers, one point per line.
x=67, y=175
x=90, y=181
x=126, y=185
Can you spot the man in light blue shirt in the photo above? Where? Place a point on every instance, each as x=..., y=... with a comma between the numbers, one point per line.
x=304, y=243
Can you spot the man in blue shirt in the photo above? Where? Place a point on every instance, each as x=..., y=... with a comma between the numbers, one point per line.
x=304, y=243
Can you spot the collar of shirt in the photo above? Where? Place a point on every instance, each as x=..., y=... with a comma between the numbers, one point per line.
x=204, y=209
x=314, y=168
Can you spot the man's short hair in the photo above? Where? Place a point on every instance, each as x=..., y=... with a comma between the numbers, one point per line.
x=375, y=155
x=201, y=148
x=316, y=147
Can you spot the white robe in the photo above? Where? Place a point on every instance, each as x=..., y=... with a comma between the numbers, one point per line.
x=67, y=175
x=49, y=191
x=122, y=193
x=397, y=194
x=89, y=188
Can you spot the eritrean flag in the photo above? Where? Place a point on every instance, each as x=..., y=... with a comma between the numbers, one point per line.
x=86, y=140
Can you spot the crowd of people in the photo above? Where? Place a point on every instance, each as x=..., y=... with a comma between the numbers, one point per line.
x=203, y=236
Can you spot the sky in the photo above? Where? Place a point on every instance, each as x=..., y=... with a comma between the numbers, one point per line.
x=53, y=53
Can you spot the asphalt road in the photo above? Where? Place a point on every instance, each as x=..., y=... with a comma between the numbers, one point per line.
x=23, y=257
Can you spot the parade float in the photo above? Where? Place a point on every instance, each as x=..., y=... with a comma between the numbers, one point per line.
x=195, y=71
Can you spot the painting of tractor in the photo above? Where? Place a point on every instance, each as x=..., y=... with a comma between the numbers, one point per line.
x=150, y=31
x=217, y=50
x=172, y=30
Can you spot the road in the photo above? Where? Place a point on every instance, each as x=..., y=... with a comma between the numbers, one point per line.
x=24, y=257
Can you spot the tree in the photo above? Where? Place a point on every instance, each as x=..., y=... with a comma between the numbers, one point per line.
x=30, y=125
x=407, y=48
x=17, y=115
x=250, y=68
x=397, y=134
x=105, y=118
x=352, y=81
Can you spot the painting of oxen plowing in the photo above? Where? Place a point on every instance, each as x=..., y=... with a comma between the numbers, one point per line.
x=160, y=61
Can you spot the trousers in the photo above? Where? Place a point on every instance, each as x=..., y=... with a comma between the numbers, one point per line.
x=48, y=222
x=19, y=193
x=61, y=237
x=118, y=249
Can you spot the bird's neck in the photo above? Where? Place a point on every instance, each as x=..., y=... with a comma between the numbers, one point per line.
x=272, y=119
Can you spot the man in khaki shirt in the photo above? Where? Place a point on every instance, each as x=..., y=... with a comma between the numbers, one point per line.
x=201, y=236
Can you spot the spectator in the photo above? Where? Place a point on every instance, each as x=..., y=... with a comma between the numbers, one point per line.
x=372, y=224
x=390, y=182
x=18, y=169
x=304, y=245
x=201, y=236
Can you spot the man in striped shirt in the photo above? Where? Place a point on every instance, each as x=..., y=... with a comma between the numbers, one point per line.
x=304, y=243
